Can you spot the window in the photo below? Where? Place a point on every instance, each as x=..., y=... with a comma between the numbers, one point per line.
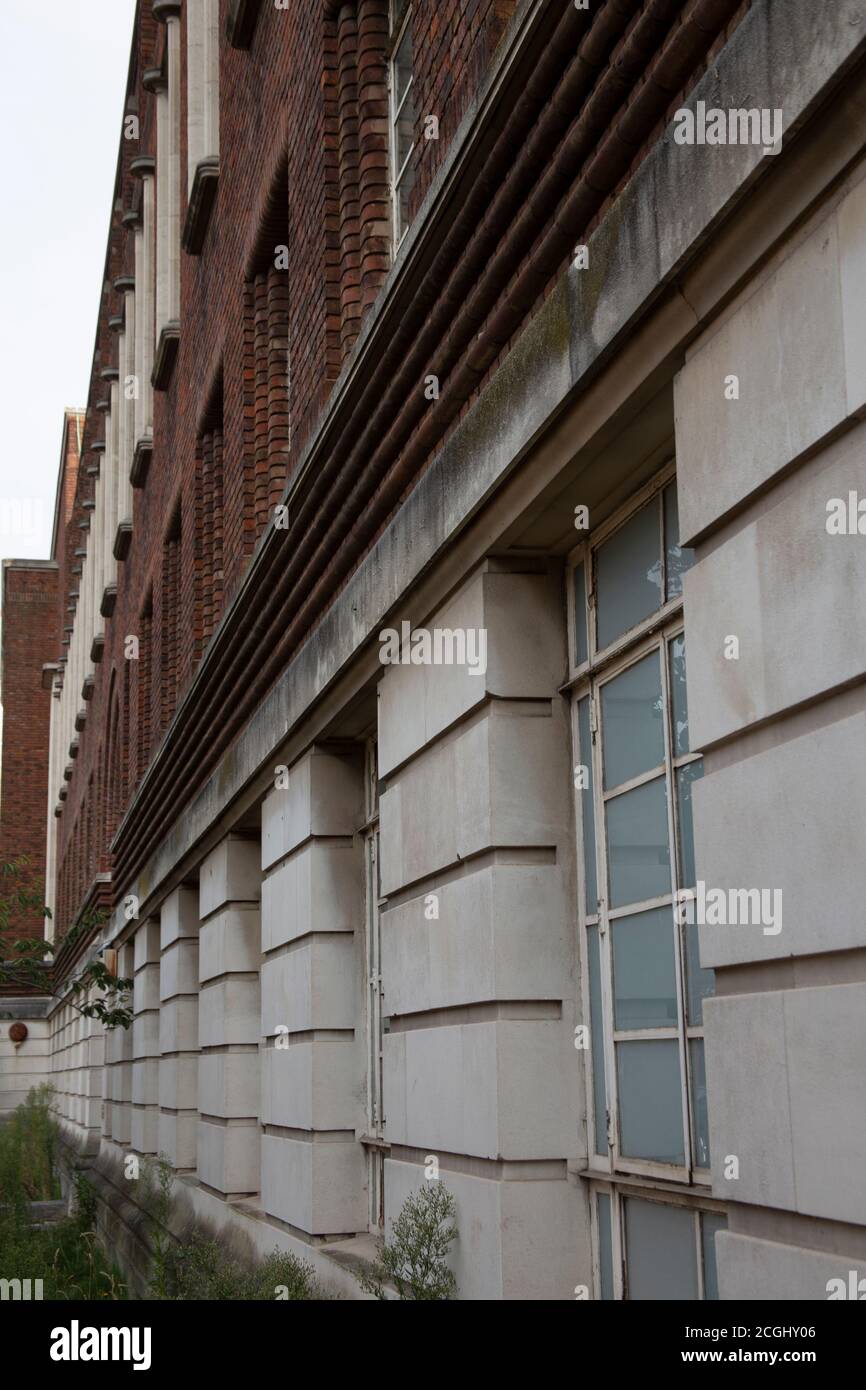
x=402, y=128
x=644, y=986
x=267, y=367
x=375, y=1135
x=171, y=623
x=144, y=687
x=209, y=510
x=665, y=1250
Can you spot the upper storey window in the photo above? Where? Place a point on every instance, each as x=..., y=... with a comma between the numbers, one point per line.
x=402, y=127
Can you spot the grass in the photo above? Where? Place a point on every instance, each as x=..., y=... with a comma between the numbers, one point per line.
x=28, y=1152
x=65, y=1255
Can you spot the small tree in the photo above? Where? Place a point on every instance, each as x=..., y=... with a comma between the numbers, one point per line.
x=414, y=1259
x=27, y=968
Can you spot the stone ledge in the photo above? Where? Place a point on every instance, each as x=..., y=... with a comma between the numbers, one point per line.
x=202, y=199
x=166, y=355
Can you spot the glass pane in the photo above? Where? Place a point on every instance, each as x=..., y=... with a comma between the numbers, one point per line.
x=661, y=1258
x=637, y=844
x=581, y=649
x=644, y=970
x=403, y=66
x=677, y=560
x=710, y=1223
x=700, y=1125
x=629, y=575
x=588, y=808
x=633, y=738
x=700, y=983
x=403, y=134
x=679, y=701
x=605, y=1248
x=596, y=1028
x=686, y=777
x=650, y=1100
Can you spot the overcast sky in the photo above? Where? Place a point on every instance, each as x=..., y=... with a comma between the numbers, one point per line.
x=63, y=66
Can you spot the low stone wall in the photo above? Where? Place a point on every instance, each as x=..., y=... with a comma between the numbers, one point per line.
x=28, y=1064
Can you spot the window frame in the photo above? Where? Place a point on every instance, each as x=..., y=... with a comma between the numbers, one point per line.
x=373, y=1140
x=618, y=1194
x=687, y=1183
x=395, y=175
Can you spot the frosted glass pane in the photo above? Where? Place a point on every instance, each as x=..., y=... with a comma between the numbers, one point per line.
x=596, y=1027
x=637, y=844
x=644, y=970
x=650, y=1100
x=710, y=1223
x=679, y=701
x=629, y=575
x=686, y=777
x=661, y=1255
x=403, y=66
x=588, y=808
x=605, y=1248
x=581, y=648
x=700, y=1125
x=700, y=983
x=632, y=714
x=677, y=560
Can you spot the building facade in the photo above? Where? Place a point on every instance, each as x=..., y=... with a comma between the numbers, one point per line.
x=460, y=725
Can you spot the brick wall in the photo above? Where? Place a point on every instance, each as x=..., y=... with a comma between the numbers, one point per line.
x=29, y=620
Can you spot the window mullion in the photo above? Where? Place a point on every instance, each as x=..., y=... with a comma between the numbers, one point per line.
x=605, y=954
x=678, y=951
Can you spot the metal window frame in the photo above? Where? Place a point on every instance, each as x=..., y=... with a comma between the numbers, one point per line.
x=395, y=175
x=655, y=633
x=619, y=1193
x=374, y=1138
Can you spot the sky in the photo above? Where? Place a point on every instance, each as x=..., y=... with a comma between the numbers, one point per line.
x=63, y=68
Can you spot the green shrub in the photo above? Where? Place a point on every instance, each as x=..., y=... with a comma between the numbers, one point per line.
x=203, y=1270
x=64, y=1255
x=28, y=1151
x=414, y=1260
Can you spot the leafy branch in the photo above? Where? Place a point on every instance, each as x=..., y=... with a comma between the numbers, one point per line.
x=29, y=967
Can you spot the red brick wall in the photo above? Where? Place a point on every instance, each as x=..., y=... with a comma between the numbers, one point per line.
x=29, y=621
x=453, y=43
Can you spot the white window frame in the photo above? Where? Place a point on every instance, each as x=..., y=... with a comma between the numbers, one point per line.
x=619, y=1193
x=617, y=1175
x=395, y=175
x=372, y=963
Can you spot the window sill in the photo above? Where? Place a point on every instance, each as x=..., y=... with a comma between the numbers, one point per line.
x=141, y=461
x=201, y=203
x=166, y=353
x=109, y=598
x=122, y=540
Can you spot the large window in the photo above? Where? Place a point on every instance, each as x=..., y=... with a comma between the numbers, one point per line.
x=374, y=1139
x=644, y=985
x=402, y=127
